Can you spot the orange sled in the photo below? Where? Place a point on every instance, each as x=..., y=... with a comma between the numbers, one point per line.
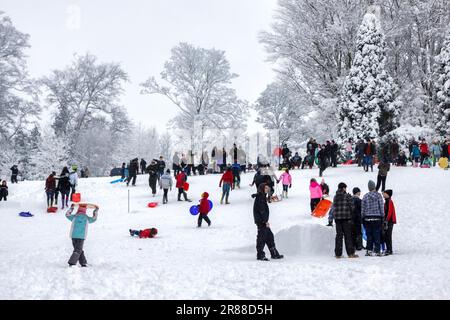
x=322, y=208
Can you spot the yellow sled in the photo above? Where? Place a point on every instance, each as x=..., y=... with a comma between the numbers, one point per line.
x=443, y=163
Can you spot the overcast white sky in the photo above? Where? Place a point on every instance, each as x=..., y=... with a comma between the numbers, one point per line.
x=140, y=34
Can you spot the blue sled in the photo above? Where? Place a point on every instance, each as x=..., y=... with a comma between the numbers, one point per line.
x=117, y=181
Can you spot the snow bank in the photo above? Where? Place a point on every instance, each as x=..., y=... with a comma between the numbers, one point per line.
x=306, y=240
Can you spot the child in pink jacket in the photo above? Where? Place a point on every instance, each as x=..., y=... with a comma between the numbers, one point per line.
x=315, y=191
x=286, y=180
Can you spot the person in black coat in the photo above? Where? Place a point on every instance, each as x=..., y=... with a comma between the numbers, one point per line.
x=3, y=191
x=356, y=220
x=143, y=164
x=153, y=175
x=64, y=187
x=133, y=171
x=122, y=170
x=161, y=166
x=322, y=155
x=14, y=173
x=334, y=149
x=342, y=212
x=261, y=217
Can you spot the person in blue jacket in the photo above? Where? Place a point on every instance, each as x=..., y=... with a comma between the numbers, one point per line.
x=78, y=231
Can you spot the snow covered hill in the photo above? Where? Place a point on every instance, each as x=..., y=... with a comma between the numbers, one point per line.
x=219, y=262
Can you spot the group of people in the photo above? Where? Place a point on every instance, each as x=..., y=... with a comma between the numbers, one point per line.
x=64, y=184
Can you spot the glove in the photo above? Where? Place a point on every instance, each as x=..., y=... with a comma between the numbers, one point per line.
x=290, y=186
x=385, y=225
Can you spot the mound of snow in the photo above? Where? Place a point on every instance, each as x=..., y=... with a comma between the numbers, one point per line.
x=306, y=240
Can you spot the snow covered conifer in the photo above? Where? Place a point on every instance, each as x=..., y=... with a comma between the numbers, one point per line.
x=368, y=104
x=442, y=76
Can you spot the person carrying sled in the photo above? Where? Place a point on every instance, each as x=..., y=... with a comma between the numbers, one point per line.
x=50, y=187
x=356, y=220
x=73, y=178
x=343, y=211
x=203, y=210
x=3, y=191
x=390, y=219
x=261, y=218
x=14, y=173
x=78, y=231
x=165, y=183
x=144, y=234
x=64, y=187
x=372, y=213
x=315, y=192
x=181, y=179
x=226, y=183
x=286, y=180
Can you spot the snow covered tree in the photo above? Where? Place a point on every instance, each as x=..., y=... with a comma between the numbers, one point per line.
x=18, y=95
x=368, y=104
x=442, y=84
x=198, y=84
x=84, y=92
x=281, y=109
x=51, y=156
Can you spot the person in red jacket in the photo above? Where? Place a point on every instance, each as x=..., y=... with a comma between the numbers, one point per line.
x=144, y=234
x=424, y=152
x=50, y=188
x=226, y=183
x=204, y=210
x=390, y=219
x=181, y=179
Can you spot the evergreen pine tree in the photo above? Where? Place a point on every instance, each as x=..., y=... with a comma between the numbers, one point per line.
x=368, y=105
x=442, y=85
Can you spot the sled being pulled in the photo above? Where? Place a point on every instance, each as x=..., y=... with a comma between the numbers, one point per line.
x=322, y=208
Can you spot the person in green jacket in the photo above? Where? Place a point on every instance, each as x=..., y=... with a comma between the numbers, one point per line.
x=78, y=231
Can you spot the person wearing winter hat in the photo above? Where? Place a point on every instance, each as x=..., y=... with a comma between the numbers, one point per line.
x=390, y=219
x=261, y=217
x=144, y=234
x=315, y=191
x=78, y=231
x=372, y=212
x=343, y=209
x=356, y=220
x=204, y=210
x=166, y=183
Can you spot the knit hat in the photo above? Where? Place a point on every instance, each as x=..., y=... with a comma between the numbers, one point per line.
x=388, y=192
x=154, y=231
x=356, y=190
x=371, y=185
x=342, y=185
x=205, y=195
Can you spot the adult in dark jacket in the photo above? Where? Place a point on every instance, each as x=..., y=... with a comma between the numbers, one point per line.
x=64, y=187
x=122, y=171
x=356, y=220
x=383, y=168
x=323, y=160
x=14, y=173
x=161, y=166
x=143, y=164
x=261, y=217
x=395, y=150
x=334, y=149
x=153, y=176
x=3, y=191
x=369, y=152
x=50, y=187
x=372, y=213
x=359, y=150
x=133, y=171
x=343, y=213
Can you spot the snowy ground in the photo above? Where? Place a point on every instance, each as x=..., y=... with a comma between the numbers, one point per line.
x=184, y=262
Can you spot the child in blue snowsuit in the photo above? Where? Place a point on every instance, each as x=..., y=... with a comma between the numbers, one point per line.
x=78, y=232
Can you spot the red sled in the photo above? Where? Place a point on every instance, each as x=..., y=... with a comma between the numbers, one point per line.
x=322, y=208
x=349, y=162
x=152, y=204
x=186, y=186
x=52, y=209
x=76, y=197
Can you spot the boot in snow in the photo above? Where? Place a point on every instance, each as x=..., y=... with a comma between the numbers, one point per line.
x=353, y=256
x=262, y=258
x=275, y=254
x=369, y=253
